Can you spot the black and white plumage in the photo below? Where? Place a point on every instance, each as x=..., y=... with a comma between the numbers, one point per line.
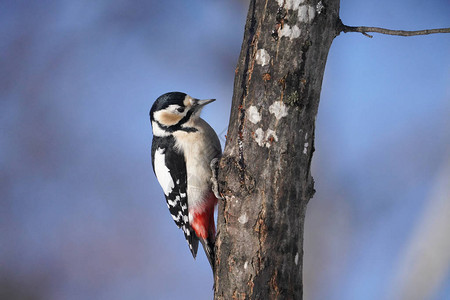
x=182, y=149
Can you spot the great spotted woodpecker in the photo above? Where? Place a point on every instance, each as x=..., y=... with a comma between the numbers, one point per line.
x=183, y=147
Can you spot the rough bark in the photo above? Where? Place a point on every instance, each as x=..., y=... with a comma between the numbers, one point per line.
x=264, y=174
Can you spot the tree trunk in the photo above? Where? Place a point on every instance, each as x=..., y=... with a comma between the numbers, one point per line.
x=264, y=174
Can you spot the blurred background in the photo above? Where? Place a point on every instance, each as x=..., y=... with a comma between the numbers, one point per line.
x=82, y=215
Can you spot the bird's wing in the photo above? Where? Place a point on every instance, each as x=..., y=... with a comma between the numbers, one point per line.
x=170, y=170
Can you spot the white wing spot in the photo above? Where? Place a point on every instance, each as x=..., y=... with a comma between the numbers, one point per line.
x=176, y=218
x=187, y=231
x=162, y=172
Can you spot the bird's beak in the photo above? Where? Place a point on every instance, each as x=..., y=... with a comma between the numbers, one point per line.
x=201, y=103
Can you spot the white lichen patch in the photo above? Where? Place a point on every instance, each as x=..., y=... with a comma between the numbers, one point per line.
x=259, y=137
x=319, y=7
x=285, y=31
x=253, y=114
x=271, y=136
x=306, y=13
x=289, y=32
x=293, y=4
x=311, y=12
x=246, y=265
x=243, y=218
x=296, y=259
x=278, y=109
x=290, y=4
x=265, y=138
x=305, y=148
x=262, y=57
x=295, y=32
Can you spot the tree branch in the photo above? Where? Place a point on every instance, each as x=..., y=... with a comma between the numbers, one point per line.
x=364, y=29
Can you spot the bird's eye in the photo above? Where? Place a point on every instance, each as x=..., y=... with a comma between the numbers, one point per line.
x=180, y=109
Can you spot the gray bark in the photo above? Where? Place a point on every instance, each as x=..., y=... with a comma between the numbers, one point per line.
x=264, y=174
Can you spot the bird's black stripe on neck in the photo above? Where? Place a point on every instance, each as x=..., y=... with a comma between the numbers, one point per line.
x=185, y=118
x=177, y=127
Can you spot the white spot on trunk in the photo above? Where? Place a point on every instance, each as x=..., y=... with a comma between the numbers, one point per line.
x=289, y=32
x=262, y=57
x=296, y=4
x=305, y=149
x=311, y=12
x=295, y=33
x=259, y=136
x=270, y=137
x=253, y=115
x=319, y=7
x=290, y=4
x=243, y=218
x=285, y=31
x=296, y=259
x=245, y=265
x=265, y=138
x=306, y=13
x=278, y=109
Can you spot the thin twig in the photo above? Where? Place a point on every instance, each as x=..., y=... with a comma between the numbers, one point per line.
x=365, y=29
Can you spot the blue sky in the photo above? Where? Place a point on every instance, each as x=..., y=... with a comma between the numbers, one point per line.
x=82, y=216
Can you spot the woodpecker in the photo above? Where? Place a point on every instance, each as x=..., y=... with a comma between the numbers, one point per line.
x=183, y=147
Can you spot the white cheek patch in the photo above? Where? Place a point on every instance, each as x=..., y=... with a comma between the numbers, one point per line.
x=158, y=131
x=162, y=172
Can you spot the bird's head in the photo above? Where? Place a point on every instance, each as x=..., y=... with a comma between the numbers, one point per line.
x=173, y=110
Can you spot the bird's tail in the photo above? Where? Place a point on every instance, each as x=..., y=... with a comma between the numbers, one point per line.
x=191, y=238
x=208, y=246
